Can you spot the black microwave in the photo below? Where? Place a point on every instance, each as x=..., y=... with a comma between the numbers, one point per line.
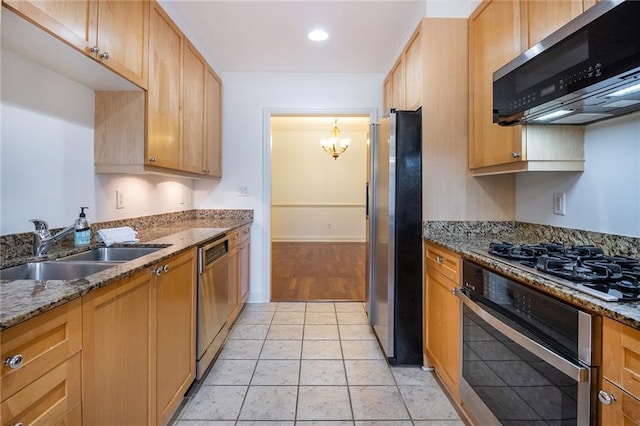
x=587, y=71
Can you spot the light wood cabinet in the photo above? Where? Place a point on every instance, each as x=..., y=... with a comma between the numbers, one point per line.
x=620, y=373
x=118, y=360
x=498, y=32
x=119, y=30
x=239, y=269
x=174, y=128
x=442, y=314
x=44, y=386
x=394, y=87
x=413, y=74
x=164, y=96
x=175, y=330
x=139, y=336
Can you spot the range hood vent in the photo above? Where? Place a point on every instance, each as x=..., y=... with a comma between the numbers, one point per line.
x=587, y=71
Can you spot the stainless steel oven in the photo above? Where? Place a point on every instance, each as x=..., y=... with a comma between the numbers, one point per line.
x=527, y=358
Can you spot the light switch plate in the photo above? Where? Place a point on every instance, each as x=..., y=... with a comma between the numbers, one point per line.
x=119, y=199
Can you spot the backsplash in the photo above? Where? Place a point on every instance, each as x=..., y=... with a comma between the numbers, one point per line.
x=21, y=245
x=521, y=232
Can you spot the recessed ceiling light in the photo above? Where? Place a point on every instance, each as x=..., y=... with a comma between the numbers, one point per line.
x=318, y=35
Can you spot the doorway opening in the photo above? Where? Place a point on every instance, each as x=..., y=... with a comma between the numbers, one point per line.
x=318, y=203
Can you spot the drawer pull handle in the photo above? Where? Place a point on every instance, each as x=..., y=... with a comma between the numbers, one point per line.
x=439, y=259
x=606, y=398
x=19, y=424
x=158, y=271
x=13, y=362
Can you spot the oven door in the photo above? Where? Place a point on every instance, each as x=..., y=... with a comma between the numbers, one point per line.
x=508, y=377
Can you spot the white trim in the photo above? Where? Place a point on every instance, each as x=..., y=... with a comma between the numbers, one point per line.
x=266, y=175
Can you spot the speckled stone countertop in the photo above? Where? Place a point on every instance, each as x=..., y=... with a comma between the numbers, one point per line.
x=471, y=240
x=23, y=299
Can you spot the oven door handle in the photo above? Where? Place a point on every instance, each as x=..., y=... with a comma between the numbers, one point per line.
x=580, y=374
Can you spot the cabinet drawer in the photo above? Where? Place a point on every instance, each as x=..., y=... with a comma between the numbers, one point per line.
x=445, y=262
x=624, y=410
x=48, y=399
x=43, y=342
x=239, y=235
x=621, y=355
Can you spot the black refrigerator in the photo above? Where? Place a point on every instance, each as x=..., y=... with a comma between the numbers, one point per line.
x=394, y=236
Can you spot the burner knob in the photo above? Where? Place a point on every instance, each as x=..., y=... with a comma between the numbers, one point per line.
x=606, y=398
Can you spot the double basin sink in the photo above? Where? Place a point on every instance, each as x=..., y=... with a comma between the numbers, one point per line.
x=76, y=266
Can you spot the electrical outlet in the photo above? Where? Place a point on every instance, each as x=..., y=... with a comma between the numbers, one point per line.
x=243, y=190
x=559, y=202
x=119, y=199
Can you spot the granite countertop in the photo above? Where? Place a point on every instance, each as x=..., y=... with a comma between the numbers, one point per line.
x=23, y=299
x=474, y=248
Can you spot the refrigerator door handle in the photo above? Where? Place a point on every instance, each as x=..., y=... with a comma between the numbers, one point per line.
x=366, y=195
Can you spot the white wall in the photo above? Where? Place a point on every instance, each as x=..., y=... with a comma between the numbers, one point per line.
x=47, y=156
x=247, y=98
x=450, y=8
x=314, y=197
x=603, y=198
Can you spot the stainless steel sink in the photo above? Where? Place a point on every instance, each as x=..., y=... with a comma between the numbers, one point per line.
x=53, y=270
x=110, y=254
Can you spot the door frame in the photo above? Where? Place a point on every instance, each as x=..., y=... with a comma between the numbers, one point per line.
x=266, y=170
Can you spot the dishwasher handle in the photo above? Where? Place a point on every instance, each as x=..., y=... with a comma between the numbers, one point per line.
x=212, y=253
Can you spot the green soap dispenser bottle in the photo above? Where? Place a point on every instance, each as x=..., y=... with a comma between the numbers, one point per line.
x=82, y=234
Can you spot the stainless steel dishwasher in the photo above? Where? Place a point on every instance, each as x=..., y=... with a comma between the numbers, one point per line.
x=213, y=301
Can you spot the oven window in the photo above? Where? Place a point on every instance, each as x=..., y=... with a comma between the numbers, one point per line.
x=517, y=386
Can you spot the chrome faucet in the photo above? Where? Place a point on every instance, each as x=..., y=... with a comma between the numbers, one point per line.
x=42, y=238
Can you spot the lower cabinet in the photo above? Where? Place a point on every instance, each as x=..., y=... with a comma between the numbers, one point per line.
x=239, y=270
x=442, y=315
x=139, y=336
x=40, y=377
x=619, y=393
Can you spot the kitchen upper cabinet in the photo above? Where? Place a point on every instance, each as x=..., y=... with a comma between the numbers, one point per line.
x=442, y=314
x=403, y=84
x=213, y=124
x=544, y=17
x=164, y=96
x=173, y=128
x=41, y=373
x=619, y=394
x=112, y=32
x=498, y=32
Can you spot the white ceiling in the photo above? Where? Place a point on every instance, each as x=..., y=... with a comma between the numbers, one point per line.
x=271, y=36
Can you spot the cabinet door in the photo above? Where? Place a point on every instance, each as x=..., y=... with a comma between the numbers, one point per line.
x=494, y=39
x=388, y=94
x=176, y=330
x=117, y=361
x=244, y=270
x=213, y=124
x=413, y=73
x=68, y=20
x=443, y=322
x=163, y=101
x=545, y=16
x=193, y=107
x=234, y=283
x=397, y=85
x=123, y=34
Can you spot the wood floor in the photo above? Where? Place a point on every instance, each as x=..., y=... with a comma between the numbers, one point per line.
x=307, y=271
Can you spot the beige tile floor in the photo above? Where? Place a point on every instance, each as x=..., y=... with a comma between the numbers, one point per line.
x=315, y=363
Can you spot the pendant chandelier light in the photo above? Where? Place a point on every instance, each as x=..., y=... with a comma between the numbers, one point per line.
x=335, y=145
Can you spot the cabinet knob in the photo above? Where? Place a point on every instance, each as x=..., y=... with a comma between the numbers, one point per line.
x=14, y=361
x=439, y=259
x=206, y=171
x=152, y=159
x=19, y=424
x=158, y=271
x=606, y=398
x=515, y=154
x=94, y=49
x=165, y=268
x=105, y=55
